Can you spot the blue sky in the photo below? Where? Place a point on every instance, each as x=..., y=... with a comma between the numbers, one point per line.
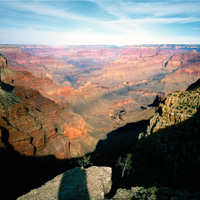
x=88, y=22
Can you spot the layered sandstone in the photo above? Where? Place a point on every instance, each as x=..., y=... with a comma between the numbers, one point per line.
x=10, y=49
x=101, y=64
x=50, y=63
x=170, y=148
x=31, y=123
x=3, y=62
x=44, y=66
x=177, y=108
x=106, y=109
x=35, y=125
x=185, y=71
x=132, y=70
x=105, y=80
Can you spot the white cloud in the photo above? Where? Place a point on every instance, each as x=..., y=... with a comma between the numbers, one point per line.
x=126, y=9
x=149, y=21
x=136, y=23
x=43, y=9
x=87, y=38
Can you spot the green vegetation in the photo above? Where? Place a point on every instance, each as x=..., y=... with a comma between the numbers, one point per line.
x=125, y=163
x=84, y=161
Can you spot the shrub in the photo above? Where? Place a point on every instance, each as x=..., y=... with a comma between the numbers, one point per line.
x=84, y=161
x=125, y=163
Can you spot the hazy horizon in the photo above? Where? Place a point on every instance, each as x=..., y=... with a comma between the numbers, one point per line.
x=91, y=22
x=109, y=45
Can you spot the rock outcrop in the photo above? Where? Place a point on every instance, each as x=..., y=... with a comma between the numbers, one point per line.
x=10, y=49
x=88, y=184
x=3, y=62
x=177, y=107
x=94, y=183
x=38, y=66
x=185, y=71
x=32, y=124
x=36, y=126
x=101, y=81
x=170, y=149
x=75, y=64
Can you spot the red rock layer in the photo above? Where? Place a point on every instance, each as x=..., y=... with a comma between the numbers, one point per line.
x=184, y=64
x=117, y=75
x=10, y=49
x=38, y=66
x=131, y=70
x=62, y=91
x=29, y=121
x=33, y=124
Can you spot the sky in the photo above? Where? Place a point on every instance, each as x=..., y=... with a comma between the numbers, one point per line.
x=97, y=22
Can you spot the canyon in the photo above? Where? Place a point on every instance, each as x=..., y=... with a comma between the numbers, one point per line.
x=172, y=137
x=67, y=101
x=108, y=86
x=34, y=125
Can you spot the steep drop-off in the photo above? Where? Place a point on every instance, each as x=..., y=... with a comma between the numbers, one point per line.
x=168, y=154
x=108, y=86
x=177, y=108
x=36, y=126
x=167, y=151
x=165, y=160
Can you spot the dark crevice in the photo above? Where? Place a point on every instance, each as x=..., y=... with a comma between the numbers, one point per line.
x=31, y=142
x=166, y=63
x=5, y=138
x=6, y=87
x=8, y=123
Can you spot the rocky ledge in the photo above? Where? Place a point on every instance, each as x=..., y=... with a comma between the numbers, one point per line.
x=94, y=182
x=177, y=107
x=91, y=183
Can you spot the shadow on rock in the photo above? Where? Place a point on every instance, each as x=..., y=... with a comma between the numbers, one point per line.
x=74, y=185
x=84, y=184
x=166, y=158
x=170, y=156
x=19, y=174
x=121, y=138
x=117, y=143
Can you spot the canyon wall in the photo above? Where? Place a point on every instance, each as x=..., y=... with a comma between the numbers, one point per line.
x=108, y=86
x=34, y=125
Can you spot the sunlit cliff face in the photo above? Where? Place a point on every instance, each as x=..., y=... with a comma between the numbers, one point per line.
x=99, y=82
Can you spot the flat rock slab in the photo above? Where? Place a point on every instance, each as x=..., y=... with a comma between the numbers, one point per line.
x=83, y=184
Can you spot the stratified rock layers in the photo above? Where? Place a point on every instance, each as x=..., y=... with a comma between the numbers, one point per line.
x=108, y=86
x=36, y=126
x=178, y=107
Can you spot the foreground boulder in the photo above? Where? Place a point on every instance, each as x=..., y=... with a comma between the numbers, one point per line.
x=91, y=183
